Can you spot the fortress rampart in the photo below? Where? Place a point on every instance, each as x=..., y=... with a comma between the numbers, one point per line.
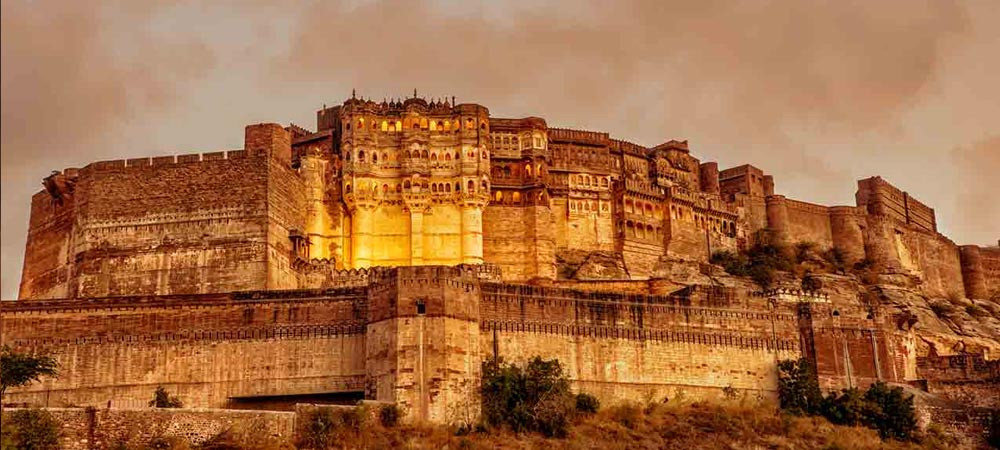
x=417, y=336
x=388, y=253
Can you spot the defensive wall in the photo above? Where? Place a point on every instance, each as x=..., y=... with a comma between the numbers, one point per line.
x=417, y=336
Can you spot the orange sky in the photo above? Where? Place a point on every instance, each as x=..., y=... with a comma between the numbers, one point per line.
x=819, y=94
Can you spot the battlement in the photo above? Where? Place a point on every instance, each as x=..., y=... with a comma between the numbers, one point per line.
x=159, y=161
x=626, y=147
x=596, y=138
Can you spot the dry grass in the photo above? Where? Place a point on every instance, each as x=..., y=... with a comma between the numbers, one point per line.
x=654, y=426
x=657, y=426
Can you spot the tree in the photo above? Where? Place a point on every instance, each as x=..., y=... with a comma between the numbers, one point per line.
x=535, y=397
x=20, y=369
x=798, y=387
x=891, y=411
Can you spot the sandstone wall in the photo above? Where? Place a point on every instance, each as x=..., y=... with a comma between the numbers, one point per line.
x=808, y=222
x=92, y=429
x=637, y=347
x=521, y=240
x=980, y=271
x=208, y=350
x=194, y=223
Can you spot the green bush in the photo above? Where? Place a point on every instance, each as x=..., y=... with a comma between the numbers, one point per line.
x=798, y=387
x=321, y=428
x=30, y=429
x=890, y=412
x=886, y=409
x=535, y=397
x=993, y=429
x=759, y=263
x=942, y=309
x=161, y=399
x=587, y=404
x=389, y=415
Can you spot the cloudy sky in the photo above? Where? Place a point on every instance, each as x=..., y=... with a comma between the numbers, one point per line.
x=819, y=94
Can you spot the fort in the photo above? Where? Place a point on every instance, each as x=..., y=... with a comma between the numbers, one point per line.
x=388, y=253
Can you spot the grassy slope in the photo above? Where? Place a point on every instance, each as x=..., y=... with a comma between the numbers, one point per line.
x=658, y=427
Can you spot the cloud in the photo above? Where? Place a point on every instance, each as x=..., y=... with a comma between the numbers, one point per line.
x=75, y=74
x=979, y=163
x=817, y=93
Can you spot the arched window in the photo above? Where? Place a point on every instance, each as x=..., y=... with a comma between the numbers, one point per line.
x=361, y=156
x=471, y=187
x=527, y=169
x=486, y=185
x=458, y=187
x=406, y=184
x=399, y=188
x=423, y=122
x=385, y=125
x=447, y=125
x=447, y=156
x=374, y=157
x=385, y=188
x=499, y=196
x=447, y=187
x=517, y=197
x=399, y=126
x=434, y=156
x=424, y=154
x=434, y=187
x=361, y=123
x=458, y=155
x=348, y=126
x=435, y=125
x=482, y=125
x=348, y=188
x=470, y=124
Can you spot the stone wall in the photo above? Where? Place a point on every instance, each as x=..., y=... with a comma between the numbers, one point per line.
x=210, y=350
x=417, y=336
x=103, y=429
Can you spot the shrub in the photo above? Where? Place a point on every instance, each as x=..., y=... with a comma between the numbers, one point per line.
x=798, y=387
x=836, y=259
x=976, y=311
x=161, y=399
x=323, y=427
x=811, y=283
x=942, y=309
x=759, y=262
x=890, y=412
x=993, y=429
x=535, y=397
x=389, y=415
x=587, y=404
x=31, y=429
x=847, y=408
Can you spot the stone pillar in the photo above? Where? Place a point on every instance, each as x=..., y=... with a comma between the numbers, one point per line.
x=361, y=235
x=777, y=217
x=313, y=172
x=472, y=234
x=416, y=236
x=972, y=272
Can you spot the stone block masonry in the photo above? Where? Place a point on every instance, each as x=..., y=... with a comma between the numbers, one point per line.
x=417, y=336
